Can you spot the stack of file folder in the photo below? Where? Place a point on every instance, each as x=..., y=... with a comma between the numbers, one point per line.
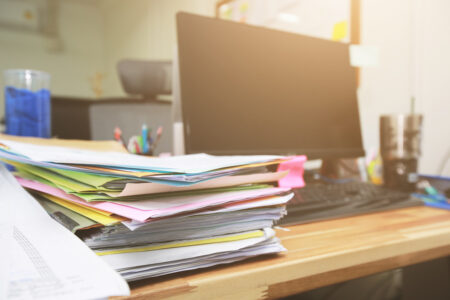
x=154, y=216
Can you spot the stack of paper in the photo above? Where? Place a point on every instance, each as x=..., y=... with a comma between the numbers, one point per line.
x=153, y=216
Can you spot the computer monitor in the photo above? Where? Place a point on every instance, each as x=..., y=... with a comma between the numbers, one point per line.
x=254, y=90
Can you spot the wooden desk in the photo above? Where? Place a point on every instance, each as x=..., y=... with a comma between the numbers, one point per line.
x=318, y=254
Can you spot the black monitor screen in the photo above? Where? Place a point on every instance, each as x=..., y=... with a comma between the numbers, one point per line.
x=253, y=90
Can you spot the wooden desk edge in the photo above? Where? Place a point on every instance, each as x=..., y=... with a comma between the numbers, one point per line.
x=179, y=287
x=276, y=277
x=303, y=284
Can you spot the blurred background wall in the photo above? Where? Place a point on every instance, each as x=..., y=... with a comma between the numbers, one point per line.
x=84, y=39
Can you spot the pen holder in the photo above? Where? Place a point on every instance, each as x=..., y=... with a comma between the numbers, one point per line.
x=135, y=146
x=27, y=103
x=142, y=144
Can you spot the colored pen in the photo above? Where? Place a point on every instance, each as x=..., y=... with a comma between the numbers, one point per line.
x=137, y=147
x=158, y=137
x=429, y=189
x=131, y=147
x=144, y=134
x=118, y=135
x=140, y=142
x=149, y=138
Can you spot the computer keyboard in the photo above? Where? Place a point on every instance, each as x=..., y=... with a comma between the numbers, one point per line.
x=319, y=201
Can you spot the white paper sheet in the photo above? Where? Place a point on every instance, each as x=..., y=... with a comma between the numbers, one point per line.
x=189, y=164
x=5, y=253
x=136, y=259
x=48, y=261
x=201, y=200
x=161, y=236
x=279, y=200
x=6, y=230
x=132, y=189
x=186, y=227
x=265, y=202
x=266, y=247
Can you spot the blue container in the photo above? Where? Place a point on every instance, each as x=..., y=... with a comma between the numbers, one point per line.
x=27, y=103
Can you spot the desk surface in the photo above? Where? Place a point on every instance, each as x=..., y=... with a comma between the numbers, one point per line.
x=318, y=254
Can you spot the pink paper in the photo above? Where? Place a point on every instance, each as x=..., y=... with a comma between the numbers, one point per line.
x=295, y=177
x=141, y=215
x=131, y=213
x=211, y=200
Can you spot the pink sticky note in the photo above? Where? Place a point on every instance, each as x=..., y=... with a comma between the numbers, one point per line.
x=295, y=177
